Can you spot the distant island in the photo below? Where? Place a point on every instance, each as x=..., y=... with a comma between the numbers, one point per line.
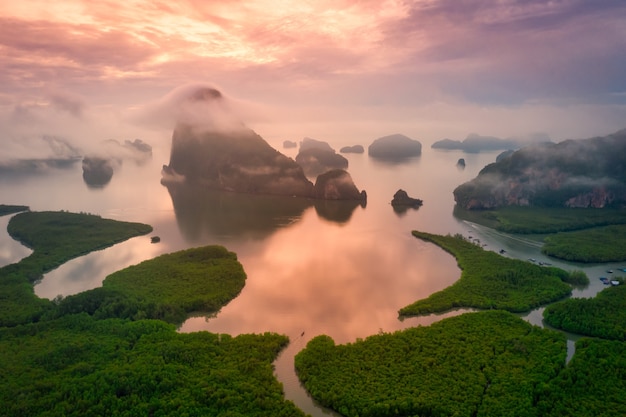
x=475, y=143
x=317, y=157
x=395, y=147
x=589, y=173
x=352, y=149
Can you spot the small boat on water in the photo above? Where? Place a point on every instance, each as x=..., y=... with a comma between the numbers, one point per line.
x=609, y=271
x=155, y=239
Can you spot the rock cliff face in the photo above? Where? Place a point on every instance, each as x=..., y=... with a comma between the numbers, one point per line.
x=401, y=198
x=237, y=160
x=337, y=184
x=573, y=173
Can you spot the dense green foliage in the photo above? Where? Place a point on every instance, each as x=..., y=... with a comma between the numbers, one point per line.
x=603, y=244
x=78, y=366
x=602, y=316
x=71, y=358
x=168, y=287
x=477, y=364
x=10, y=209
x=489, y=280
x=581, y=235
x=593, y=384
x=529, y=220
x=55, y=238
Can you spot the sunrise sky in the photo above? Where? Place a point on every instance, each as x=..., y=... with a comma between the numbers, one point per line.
x=340, y=70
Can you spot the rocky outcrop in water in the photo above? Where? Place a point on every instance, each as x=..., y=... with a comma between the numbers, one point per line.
x=574, y=173
x=213, y=149
x=97, y=172
x=394, y=147
x=316, y=157
x=236, y=160
x=401, y=198
x=352, y=149
x=337, y=184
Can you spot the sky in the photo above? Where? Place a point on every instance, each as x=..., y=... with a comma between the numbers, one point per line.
x=343, y=71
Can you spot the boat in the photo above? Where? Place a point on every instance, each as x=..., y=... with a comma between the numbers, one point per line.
x=609, y=271
x=155, y=239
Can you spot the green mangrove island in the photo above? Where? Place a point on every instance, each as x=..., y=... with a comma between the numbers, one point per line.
x=603, y=316
x=477, y=364
x=574, y=234
x=491, y=281
x=98, y=353
x=490, y=363
x=168, y=287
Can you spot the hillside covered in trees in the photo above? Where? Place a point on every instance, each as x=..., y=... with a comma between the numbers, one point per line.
x=572, y=173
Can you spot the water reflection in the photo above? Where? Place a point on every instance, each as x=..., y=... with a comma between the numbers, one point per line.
x=338, y=211
x=391, y=161
x=314, y=278
x=11, y=251
x=201, y=212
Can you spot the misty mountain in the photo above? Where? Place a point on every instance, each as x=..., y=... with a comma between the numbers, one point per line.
x=476, y=143
x=572, y=173
x=212, y=148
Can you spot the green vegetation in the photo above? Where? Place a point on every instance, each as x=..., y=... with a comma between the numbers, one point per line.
x=76, y=357
x=55, y=238
x=477, y=364
x=9, y=209
x=491, y=281
x=578, y=235
x=528, y=220
x=593, y=384
x=168, y=287
x=78, y=366
x=602, y=316
x=603, y=244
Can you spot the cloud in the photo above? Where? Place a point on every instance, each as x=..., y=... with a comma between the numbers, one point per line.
x=451, y=65
x=201, y=105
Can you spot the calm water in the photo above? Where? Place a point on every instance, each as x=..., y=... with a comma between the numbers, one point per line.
x=313, y=267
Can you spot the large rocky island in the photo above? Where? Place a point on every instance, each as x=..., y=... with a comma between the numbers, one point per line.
x=231, y=157
x=587, y=173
